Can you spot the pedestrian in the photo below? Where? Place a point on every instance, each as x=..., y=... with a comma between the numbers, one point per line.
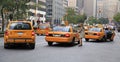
x=81, y=34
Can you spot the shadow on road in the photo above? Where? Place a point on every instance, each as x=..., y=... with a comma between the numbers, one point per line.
x=20, y=48
x=95, y=41
x=63, y=45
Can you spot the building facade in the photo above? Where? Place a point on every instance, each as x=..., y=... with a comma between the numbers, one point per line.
x=106, y=8
x=55, y=11
x=37, y=10
x=78, y=5
x=65, y=3
x=112, y=8
x=118, y=6
x=90, y=7
x=100, y=8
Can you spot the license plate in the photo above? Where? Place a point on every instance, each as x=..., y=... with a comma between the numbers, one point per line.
x=90, y=33
x=20, y=33
x=56, y=35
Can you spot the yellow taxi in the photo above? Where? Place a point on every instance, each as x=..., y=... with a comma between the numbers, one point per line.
x=97, y=33
x=42, y=29
x=19, y=32
x=61, y=34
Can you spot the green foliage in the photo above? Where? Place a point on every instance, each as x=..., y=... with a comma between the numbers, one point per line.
x=103, y=20
x=16, y=7
x=93, y=20
x=117, y=17
x=72, y=17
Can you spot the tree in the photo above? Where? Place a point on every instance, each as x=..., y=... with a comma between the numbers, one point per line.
x=103, y=20
x=17, y=8
x=117, y=17
x=72, y=17
x=92, y=20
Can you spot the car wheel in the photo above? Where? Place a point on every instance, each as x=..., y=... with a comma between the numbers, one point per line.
x=78, y=42
x=32, y=45
x=6, y=46
x=73, y=41
x=87, y=39
x=37, y=34
x=118, y=30
x=111, y=39
x=104, y=39
x=50, y=43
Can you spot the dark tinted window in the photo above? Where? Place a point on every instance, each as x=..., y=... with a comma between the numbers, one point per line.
x=20, y=26
x=63, y=29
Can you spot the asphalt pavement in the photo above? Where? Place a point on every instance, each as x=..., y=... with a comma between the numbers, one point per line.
x=89, y=52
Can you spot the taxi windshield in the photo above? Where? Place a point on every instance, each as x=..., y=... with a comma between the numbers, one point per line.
x=95, y=29
x=62, y=29
x=20, y=26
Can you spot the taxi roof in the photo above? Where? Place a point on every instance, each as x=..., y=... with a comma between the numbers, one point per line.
x=19, y=21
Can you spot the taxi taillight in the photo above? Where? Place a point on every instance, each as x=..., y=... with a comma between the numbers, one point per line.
x=67, y=35
x=33, y=33
x=6, y=33
x=98, y=34
x=47, y=34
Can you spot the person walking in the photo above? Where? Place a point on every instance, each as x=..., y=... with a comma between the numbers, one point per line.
x=81, y=34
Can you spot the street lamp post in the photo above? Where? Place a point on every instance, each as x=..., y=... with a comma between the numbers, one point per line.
x=66, y=16
x=36, y=8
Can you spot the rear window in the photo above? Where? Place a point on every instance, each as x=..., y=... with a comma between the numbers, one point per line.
x=63, y=29
x=20, y=26
x=95, y=29
x=43, y=27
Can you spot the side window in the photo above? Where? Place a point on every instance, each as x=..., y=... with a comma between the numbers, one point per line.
x=101, y=30
x=69, y=30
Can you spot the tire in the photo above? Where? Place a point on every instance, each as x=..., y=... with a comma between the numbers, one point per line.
x=50, y=43
x=104, y=39
x=86, y=39
x=78, y=42
x=32, y=45
x=37, y=34
x=111, y=39
x=6, y=46
x=118, y=30
x=73, y=41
